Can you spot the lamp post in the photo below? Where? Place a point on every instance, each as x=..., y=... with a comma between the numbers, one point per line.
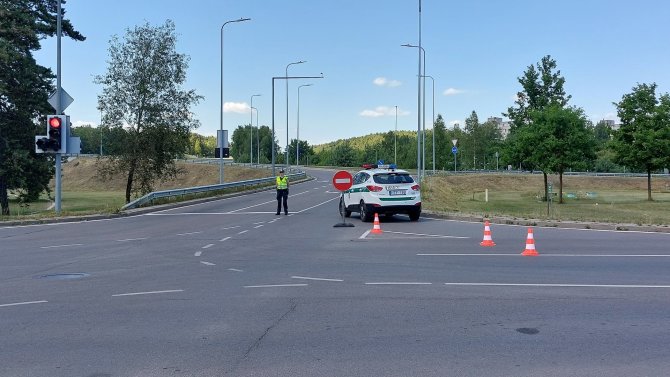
x=420, y=143
x=395, y=138
x=251, y=127
x=287, y=140
x=258, y=139
x=297, y=143
x=221, y=104
x=433, y=80
x=273, y=111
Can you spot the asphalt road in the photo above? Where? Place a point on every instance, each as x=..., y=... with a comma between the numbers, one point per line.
x=228, y=288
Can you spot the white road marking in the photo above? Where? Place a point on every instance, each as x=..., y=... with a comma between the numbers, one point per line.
x=364, y=235
x=147, y=293
x=242, y=232
x=208, y=246
x=23, y=303
x=318, y=279
x=255, y=205
x=55, y=246
x=235, y=269
x=198, y=253
x=132, y=239
x=560, y=285
x=207, y=263
x=493, y=254
x=316, y=188
x=262, y=222
x=230, y=227
x=424, y=235
x=187, y=234
x=399, y=283
x=258, y=226
x=275, y=285
x=320, y=204
x=224, y=239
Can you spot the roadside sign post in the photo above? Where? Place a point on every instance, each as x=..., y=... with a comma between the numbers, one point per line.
x=454, y=150
x=342, y=181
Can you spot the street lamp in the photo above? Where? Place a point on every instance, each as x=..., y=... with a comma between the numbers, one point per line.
x=395, y=137
x=431, y=77
x=251, y=127
x=221, y=104
x=421, y=141
x=297, y=143
x=273, y=111
x=287, y=140
x=258, y=139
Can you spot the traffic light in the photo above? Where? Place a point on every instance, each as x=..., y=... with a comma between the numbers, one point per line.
x=57, y=133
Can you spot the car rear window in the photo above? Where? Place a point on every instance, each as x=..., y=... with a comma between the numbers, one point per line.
x=392, y=178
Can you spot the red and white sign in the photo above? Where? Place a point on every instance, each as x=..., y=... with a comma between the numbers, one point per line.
x=342, y=180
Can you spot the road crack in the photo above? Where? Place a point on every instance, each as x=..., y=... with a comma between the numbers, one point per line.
x=267, y=331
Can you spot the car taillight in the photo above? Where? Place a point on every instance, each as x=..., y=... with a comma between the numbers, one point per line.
x=374, y=188
x=416, y=187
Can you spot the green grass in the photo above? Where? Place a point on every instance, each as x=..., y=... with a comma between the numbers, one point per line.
x=72, y=203
x=629, y=207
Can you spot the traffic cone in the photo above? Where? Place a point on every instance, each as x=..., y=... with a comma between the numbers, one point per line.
x=376, y=228
x=530, y=245
x=488, y=241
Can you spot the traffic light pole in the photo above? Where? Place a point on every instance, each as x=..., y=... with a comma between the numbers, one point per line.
x=59, y=107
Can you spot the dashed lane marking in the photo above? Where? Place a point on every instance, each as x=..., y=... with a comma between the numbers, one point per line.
x=399, y=283
x=258, y=226
x=132, y=239
x=147, y=293
x=208, y=246
x=423, y=234
x=231, y=227
x=187, y=234
x=207, y=263
x=56, y=246
x=275, y=285
x=235, y=270
x=318, y=279
x=224, y=239
x=242, y=232
x=23, y=303
x=198, y=253
x=362, y=237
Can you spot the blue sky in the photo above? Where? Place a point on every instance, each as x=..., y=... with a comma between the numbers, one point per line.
x=475, y=50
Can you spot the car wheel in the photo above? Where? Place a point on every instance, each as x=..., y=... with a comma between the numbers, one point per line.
x=366, y=216
x=343, y=210
x=414, y=215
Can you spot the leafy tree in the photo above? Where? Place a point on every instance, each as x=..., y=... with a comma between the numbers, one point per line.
x=561, y=141
x=142, y=92
x=343, y=155
x=24, y=89
x=643, y=141
x=442, y=144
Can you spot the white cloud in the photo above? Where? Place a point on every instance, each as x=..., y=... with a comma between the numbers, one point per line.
x=79, y=123
x=236, y=107
x=453, y=92
x=380, y=111
x=383, y=81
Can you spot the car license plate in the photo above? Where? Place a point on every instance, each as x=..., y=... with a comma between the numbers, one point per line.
x=397, y=192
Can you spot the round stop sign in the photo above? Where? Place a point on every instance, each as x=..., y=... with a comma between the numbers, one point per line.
x=342, y=180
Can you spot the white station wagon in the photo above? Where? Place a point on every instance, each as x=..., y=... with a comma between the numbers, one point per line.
x=382, y=189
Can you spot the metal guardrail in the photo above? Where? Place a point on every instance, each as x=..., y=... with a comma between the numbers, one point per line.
x=519, y=172
x=152, y=196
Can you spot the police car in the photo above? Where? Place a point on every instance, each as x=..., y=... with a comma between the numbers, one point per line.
x=382, y=189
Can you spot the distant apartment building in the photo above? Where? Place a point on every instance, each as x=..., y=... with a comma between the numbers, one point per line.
x=502, y=126
x=612, y=124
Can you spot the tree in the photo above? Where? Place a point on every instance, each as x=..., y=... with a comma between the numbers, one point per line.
x=142, y=93
x=24, y=89
x=561, y=141
x=542, y=87
x=643, y=140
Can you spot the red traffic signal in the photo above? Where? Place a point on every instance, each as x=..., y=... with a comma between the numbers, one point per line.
x=55, y=122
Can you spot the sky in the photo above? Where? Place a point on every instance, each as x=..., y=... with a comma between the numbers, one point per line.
x=475, y=51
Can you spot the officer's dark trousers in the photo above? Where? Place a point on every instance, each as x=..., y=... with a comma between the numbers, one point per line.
x=282, y=196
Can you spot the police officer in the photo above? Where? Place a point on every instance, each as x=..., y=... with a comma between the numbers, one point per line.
x=282, y=192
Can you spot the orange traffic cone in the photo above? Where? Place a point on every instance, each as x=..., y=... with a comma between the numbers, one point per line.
x=376, y=228
x=530, y=245
x=488, y=241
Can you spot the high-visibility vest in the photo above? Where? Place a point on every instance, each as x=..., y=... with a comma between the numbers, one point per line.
x=282, y=183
